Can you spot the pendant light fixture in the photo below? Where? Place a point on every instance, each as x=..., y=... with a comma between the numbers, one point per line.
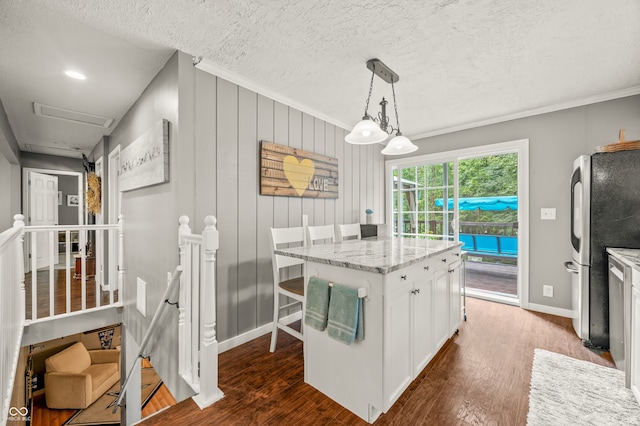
x=375, y=130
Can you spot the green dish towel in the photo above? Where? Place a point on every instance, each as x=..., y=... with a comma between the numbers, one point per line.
x=346, y=319
x=317, y=306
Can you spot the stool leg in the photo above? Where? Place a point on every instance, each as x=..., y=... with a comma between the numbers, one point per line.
x=276, y=315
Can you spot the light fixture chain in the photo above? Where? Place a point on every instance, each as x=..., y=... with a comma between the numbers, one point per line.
x=366, y=108
x=395, y=106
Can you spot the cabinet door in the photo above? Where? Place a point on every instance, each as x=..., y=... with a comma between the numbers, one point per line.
x=440, y=306
x=455, y=305
x=635, y=341
x=423, y=341
x=398, y=334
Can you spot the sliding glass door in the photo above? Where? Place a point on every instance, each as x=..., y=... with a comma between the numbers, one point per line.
x=473, y=196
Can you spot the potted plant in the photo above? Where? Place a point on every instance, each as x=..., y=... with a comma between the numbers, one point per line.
x=369, y=213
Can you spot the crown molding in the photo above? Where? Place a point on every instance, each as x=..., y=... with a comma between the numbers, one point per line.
x=603, y=97
x=211, y=68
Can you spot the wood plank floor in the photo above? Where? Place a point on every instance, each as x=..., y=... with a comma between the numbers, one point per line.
x=60, y=293
x=480, y=377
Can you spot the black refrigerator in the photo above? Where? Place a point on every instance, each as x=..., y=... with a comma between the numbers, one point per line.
x=605, y=212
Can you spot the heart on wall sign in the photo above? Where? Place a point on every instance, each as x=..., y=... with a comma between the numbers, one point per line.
x=299, y=174
x=293, y=172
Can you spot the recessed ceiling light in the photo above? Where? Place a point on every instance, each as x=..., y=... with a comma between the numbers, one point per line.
x=75, y=74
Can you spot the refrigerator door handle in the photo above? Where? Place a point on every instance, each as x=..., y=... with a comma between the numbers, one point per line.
x=570, y=267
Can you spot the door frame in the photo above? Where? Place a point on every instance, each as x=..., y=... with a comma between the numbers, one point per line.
x=26, y=200
x=25, y=190
x=521, y=147
x=114, y=210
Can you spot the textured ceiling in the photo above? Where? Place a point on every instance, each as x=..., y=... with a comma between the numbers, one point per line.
x=461, y=62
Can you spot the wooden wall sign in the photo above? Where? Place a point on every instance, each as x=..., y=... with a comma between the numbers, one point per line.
x=292, y=172
x=145, y=161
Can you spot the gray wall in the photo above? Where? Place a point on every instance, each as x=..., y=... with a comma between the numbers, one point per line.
x=150, y=224
x=69, y=186
x=215, y=131
x=230, y=123
x=555, y=140
x=9, y=173
x=9, y=192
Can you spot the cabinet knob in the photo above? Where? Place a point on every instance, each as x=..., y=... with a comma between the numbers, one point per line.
x=416, y=291
x=444, y=260
x=457, y=254
x=403, y=277
x=426, y=268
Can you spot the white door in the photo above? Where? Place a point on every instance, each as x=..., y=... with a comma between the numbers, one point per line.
x=43, y=211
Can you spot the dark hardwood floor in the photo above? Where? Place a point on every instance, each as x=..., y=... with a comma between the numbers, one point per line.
x=60, y=293
x=480, y=377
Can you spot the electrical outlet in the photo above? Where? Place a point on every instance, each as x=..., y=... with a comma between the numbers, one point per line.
x=548, y=214
x=547, y=290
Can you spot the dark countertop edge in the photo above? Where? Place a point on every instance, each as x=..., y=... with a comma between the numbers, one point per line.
x=379, y=270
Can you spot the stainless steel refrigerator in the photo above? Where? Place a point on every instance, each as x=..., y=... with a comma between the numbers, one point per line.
x=605, y=212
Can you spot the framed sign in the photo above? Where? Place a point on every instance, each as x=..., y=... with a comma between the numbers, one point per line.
x=145, y=161
x=292, y=172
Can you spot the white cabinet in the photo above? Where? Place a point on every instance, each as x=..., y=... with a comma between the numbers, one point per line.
x=455, y=294
x=440, y=305
x=423, y=340
x=418, y=318
x=635, y=334
x=399, y=335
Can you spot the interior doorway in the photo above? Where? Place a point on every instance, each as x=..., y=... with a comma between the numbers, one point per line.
x=63, y=205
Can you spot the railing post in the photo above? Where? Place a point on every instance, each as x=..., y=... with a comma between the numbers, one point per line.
x=184, y=301
x=209, y=391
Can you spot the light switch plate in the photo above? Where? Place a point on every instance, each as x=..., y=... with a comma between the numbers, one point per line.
x=547, y=290
x=141, y=300
x=548, y=213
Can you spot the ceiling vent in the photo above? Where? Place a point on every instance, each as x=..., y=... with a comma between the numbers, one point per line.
x=49, y=150
x=73, y=116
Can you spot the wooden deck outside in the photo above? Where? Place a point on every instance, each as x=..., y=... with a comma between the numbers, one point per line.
x=493, y=277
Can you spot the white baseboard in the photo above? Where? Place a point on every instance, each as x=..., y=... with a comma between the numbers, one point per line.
x=561, y=312
x=255, y=333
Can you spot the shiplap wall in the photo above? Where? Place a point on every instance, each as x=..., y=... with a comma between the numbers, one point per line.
x=230, y=122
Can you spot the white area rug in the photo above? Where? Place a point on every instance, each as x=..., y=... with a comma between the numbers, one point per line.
x=567, y=391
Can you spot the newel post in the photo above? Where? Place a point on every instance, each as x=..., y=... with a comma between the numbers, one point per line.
x=184, y=302
x=209, y=391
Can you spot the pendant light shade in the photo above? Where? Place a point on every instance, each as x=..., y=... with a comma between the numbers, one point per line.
x=366, y=132
x=399, y=145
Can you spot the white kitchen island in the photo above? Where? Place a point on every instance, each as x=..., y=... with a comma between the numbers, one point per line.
x=412, y=308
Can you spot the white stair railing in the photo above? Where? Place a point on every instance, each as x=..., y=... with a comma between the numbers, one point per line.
x=12, y=297
x=43, y=244
x=198, y=356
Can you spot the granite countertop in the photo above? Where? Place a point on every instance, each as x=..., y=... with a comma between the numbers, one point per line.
x=381, y=256
x=630, y=257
